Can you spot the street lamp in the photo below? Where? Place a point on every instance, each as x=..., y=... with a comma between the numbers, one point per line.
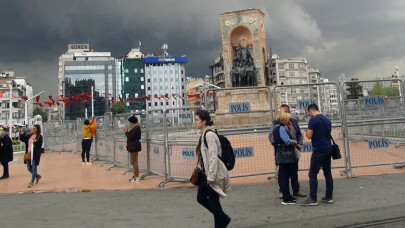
x=26, y=107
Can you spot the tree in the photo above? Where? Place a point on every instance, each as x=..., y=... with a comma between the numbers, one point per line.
x=38, y=111
x=354, y=89
x=117, y=108
x=378, y=89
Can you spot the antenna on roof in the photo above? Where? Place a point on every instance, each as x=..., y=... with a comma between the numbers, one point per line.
x=165, y=47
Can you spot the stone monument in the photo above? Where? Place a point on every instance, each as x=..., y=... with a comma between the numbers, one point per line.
x=244, y=58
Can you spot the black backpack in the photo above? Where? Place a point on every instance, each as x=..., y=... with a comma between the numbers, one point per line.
x=228, y=157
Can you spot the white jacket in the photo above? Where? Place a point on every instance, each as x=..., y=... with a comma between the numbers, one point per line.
x=214, y=168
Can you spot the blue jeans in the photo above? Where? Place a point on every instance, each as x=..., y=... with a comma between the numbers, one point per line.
x=32, y=167
x=321, y=159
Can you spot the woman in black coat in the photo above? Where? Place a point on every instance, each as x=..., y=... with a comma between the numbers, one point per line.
x=6, y=152
x=34, y=142
x=133, y=144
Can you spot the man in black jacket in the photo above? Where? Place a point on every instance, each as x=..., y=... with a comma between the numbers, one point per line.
x=296, y=134
x=6, y=152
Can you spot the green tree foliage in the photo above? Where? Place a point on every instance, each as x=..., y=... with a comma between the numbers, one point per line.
x=378, y=89
x=354, y=89
x=38, y=111
x=117, y=108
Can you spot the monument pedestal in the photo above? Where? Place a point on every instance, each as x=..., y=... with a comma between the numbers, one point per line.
x=242, y=107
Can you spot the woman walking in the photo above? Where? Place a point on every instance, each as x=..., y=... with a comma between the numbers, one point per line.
x=215, y=179
x=285, y=155
x=34, y=142
x=86, y=141
x=133, y=135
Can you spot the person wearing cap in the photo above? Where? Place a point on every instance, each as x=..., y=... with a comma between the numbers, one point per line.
x=87, y=130
x=133, y=135
x=6, y=152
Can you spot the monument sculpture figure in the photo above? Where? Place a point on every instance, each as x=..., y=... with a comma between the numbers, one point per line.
x=243, y=71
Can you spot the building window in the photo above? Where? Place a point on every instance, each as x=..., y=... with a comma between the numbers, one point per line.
x=291, y=74
x=282, y=74
x=141, y=70
x=135, y=70
x=109, y=67
x=142, y=79
x=148, y=79
x=156, y=103
x=142, y=87
x=291, y=66
x=126, y=71
x=148, y=87
x=150, y=104
x=281, y=66
x=127, y=79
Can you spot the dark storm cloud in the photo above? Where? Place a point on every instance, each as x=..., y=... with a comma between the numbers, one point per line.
x=335, y=36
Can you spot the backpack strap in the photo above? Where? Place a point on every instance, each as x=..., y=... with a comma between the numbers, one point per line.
x=330, y=130
x=205, y=140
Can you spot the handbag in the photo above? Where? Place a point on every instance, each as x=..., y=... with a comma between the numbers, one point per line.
x=194, y=179
x=297, y=153
x=335, y=148
x=27, y=156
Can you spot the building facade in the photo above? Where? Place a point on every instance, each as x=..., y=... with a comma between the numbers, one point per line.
x=83, y=69
x=217, y=70
x=12, y=90
x=165, y=81
x=133, y=79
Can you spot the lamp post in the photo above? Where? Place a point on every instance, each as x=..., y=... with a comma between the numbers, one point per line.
x=26, y=107
x=11, y=104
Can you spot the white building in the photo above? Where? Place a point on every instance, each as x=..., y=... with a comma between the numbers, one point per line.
x=165, y=81
x=330, y=98
x=12, y=89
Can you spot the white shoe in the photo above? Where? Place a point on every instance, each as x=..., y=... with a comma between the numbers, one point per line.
x=132, y=180
x=83, y=163
x=137, y=179
x=89, y=163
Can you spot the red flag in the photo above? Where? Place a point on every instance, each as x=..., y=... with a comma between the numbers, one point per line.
x=112, y=100
x=121, y=100
x=23, y=97
x=1, y=93
x=130, y=99
x=37, y=98
x=50, y=98
x=166, y=96
x=57, y=103
x=174, y=95
x=147, y=98
x=108, y=94
x=156, y=96
x=103, y=100
x=48, y=103
x=141, y=96
x=85, y=101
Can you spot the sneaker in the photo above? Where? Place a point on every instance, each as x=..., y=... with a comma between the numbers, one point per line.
x=3, y=177
x=137, y=179
x=299, y=194
x=289, y=201
x=89, y=163
x=280, y=195
x=31, y=184
x=326, y=200
x=83, y=163
x=309, y=202
x=37, y=179
x=132, y=180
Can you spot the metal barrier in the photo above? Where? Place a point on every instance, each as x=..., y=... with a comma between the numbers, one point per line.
x=368, y=122
x=327, y=98
x=379, y=104
x=181, y=137
x=240, y=107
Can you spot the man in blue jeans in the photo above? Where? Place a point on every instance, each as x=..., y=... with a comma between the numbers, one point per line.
x=319, y=129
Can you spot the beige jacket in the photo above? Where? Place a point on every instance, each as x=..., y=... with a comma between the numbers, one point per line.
x=214, y=167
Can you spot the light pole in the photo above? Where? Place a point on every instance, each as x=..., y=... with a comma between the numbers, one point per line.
x=92, y=102
x=26, y=107
x=11, y=104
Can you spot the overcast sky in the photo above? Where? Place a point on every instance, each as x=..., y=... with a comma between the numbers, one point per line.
x=362, y=38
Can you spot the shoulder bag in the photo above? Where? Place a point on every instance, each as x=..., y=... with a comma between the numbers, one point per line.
x=335, y=148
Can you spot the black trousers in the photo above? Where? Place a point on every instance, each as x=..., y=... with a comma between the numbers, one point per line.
x=295, y=185
x=5, y=168
x=285, y=173
x=86, y=145
x=209, y=199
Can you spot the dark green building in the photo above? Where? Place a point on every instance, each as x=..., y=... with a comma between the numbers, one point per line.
x=133, y=73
